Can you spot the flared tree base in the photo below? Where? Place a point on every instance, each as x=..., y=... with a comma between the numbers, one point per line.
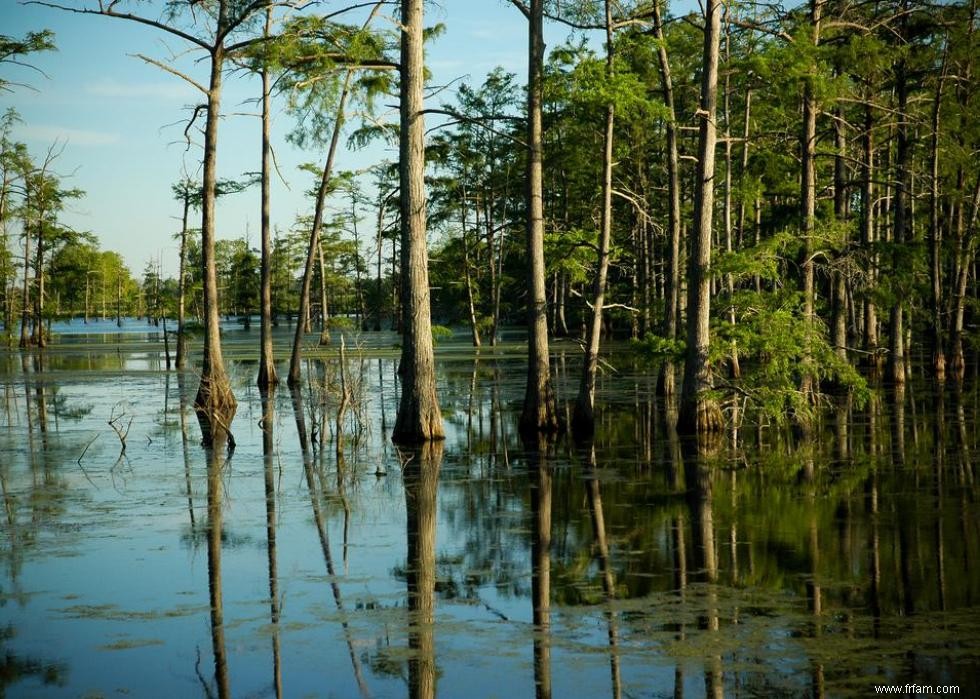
x=700, y=417
x=215, y=406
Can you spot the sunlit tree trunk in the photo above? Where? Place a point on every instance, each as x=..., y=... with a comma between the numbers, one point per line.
x=539, y=413
x=698, y=413
x=808, y=202
x=667, y=379
x=25, y=297
x=870, y=330
x=267, y=364
x=182, y=285
x=215, y=403
x=896, y=337
x=583, y=416
x=419, y=418
x=302, y=324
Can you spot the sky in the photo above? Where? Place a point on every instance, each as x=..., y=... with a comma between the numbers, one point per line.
x=120, y=121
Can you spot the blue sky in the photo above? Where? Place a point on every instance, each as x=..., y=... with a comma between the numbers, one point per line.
x=122, y=120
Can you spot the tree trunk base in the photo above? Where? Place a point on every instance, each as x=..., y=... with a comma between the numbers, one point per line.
x=215, y=406
x=416, y=428
x=957, y=364
x=181, y=358
x=267, y=375
x=667, y=381
x=701, y=417
x=939, y=366
x=872, y=365
x=539, y=416
x=583, y=420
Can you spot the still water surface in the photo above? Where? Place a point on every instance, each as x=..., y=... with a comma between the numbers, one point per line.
x=639, y=566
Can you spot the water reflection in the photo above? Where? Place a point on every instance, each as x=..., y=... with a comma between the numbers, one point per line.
x=316, y=487
x=636, y=565
x=268, y=452
x=598, y=518
x=420, y=477
x=539, y=467
x=215, y=462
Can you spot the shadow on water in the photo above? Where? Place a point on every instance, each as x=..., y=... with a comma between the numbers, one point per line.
x=639, y=564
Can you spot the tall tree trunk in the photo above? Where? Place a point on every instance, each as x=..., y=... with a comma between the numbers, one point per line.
x=698, y=413
x=808, y=203
x=296, y=357
x=935, y=238
x=539, y=413
x=324, y=313
x=870, y=329
x=474, y=325
x=37, y=333
x=964, y=253
x=838, y=323
x=583, y=416
x=419, y=419
x=267, y=362
x=25, y=297
x=896, y=340
x=666, y=384
x=181, y=359
x=215, y=403
x=735, y=369
x=379, y=284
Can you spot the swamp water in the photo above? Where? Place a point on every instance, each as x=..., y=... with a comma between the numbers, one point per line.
x=639, y=567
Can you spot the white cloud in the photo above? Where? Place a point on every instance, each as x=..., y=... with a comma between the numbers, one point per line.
x=75, y=137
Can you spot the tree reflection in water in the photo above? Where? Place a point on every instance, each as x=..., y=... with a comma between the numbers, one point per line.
x=766, y=566
x=420, y=475
x=215, y=461
x=539, y=459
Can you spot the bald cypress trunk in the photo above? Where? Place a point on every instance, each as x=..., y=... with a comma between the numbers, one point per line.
x=896, y=338
x=215, y=403
x=870, y=330
x=666, y=384
x=540, y=412
x=267, y=364
x=419, y=419
x=808, y=202
x=935, y=240
x=699, y=413
x=583, y=417
x=181, y=359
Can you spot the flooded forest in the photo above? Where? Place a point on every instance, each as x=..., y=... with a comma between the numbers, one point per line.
x=647, y=370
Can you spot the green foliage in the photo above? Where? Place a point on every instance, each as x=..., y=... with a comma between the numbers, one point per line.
x=655, y=347
x=12, y=51
x=776, y=345
x=441, y=332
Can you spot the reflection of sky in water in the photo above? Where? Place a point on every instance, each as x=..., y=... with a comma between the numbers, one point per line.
x=104, y=576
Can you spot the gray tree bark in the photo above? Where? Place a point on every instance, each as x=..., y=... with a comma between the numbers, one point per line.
x=666, y=385
x=698, y=413
x=215, y=403
x=583, y=416
x=267, y=362
x=419, y=419
x=540, y=413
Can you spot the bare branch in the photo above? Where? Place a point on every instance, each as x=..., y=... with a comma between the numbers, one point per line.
x=462, y=118
x=109, y=12
x=522, y=7
x=169, y=69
